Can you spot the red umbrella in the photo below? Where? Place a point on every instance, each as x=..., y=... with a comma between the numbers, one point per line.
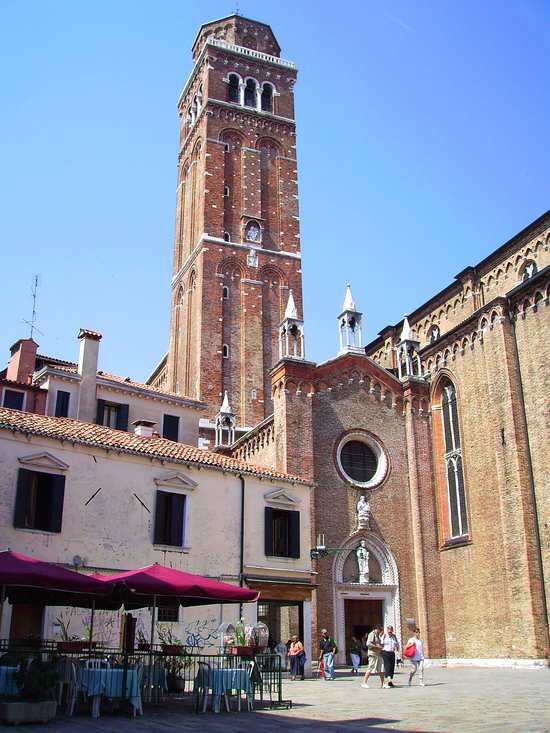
x=169, y=587
x=157, y=585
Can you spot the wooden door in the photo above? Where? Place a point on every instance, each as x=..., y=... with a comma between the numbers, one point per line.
x=26, y=621
x=361, y=617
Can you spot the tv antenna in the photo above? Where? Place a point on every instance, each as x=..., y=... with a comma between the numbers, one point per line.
x=32, y=322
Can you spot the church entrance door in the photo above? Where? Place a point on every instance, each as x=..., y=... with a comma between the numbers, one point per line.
x=361, y=616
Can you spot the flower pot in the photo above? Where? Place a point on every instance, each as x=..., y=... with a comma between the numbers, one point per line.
x=27, y=712
x=242, y=651
x=73, y=647
x=172, y=648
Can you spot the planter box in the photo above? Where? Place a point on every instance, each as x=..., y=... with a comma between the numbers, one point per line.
x=172, y=648
x=242, y=651
x=27, y=712
x=73, y=647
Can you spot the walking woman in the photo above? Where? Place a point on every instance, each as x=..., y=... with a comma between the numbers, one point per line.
x=390, y=647
x=417, y=659
x=297, y=657
x=355, y=649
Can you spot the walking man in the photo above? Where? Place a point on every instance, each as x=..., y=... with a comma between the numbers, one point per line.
x=390, y=647
x=328, y=649
x=374, y=645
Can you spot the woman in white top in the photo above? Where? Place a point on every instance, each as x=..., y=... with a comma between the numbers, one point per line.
x=417, y=660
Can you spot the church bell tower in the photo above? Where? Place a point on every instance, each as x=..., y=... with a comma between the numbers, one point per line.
x=237, y=244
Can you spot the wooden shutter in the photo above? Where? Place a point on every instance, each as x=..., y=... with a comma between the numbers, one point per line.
x=100, y=411
x=294, y=534
x=122, y=417
x=13, y=399
x=176, y=519
x=268, y=531
x=62, y=403
x=160, y=518
x=170, y=427
x=24, y=482
x=57, y=484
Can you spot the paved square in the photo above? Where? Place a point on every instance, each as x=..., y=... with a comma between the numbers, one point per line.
x=464, y=700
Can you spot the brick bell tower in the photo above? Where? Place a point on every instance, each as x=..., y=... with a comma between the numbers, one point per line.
x=237, y=245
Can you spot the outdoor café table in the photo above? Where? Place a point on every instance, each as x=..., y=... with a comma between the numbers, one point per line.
x=221, y=681
x=108, y=682
x=157, y=680
x=7, y=681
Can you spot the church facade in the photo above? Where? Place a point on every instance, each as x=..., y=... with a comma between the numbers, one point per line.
x=427, y=448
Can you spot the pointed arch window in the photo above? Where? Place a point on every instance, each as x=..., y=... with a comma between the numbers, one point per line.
x=458, y=515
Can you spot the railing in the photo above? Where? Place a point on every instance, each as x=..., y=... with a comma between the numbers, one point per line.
x=146, y=675
x=250, y=52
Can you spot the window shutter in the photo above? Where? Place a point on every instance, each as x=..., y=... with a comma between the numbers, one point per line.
x=62, y=403
x=24, y=480
x=100, y=411
x=176, y=520
x=268, y=531
x=56, y=507
x=122, y=417
x=13, y=400
x=294, y=534
x=170, y=427
x=160, y=518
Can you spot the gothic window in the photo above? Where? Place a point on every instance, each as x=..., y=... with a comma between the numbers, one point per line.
x=250, y=93
x=529, y=269
x=358, y=461
x=225, y=351
x=233, y=89
x=453, y=462
x=267, y=97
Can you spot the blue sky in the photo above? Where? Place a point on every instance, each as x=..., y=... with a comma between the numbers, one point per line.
x=422, y=145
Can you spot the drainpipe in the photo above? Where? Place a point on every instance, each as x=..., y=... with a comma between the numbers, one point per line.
x=531, y=474
x=241, y=563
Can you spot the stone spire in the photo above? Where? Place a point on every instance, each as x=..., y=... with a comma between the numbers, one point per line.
x=349, y=324
x=408, y=361
x=291, y=332
x=225, y=424
x=406, y=333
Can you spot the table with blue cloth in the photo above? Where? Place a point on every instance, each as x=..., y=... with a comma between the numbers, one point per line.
x=221, y=681
x=7, y=681
x=108, y=682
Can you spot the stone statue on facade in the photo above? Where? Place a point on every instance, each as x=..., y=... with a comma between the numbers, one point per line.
x=363, y=513
x=362, y=555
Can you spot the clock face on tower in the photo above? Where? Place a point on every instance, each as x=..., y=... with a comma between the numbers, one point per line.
x=253, y=232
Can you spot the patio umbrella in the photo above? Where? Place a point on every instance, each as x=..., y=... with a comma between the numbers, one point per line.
x=156, y=585
x=25, y=579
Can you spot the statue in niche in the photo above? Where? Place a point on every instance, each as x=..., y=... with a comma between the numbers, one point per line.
x=362, y=555
x=363, y=513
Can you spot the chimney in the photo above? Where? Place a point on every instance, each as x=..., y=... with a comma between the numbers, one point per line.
x=22, y=361
x=144, y=428
x=87, y=368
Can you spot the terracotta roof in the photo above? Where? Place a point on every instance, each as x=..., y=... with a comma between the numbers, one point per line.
x=72, y=369
x=86, y=333
x=75, y=431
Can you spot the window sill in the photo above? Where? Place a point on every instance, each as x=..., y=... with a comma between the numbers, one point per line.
x=172, y=548
x=36, y=531
x=282, y=557
x=449, y=544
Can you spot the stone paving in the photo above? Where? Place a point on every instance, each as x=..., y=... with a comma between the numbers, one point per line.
x=460, y=699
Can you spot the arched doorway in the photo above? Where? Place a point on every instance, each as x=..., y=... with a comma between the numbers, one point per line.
x=358, y=606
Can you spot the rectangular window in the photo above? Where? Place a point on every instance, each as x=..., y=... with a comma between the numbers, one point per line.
x=13, y=399
x=39, y=501
x=62, y=403
x=112, y=415
x=171, y=427
x=169, y=519
x=282, y=533
x=168, y=615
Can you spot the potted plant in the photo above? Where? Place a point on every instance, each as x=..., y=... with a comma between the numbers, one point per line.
x=36, y=703
x=169, y=642
x=69, y=644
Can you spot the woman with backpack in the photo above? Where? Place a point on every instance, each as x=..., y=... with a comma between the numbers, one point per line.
x=414, y=652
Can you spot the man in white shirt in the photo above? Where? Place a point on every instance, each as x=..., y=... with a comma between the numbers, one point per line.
x=390, y=646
